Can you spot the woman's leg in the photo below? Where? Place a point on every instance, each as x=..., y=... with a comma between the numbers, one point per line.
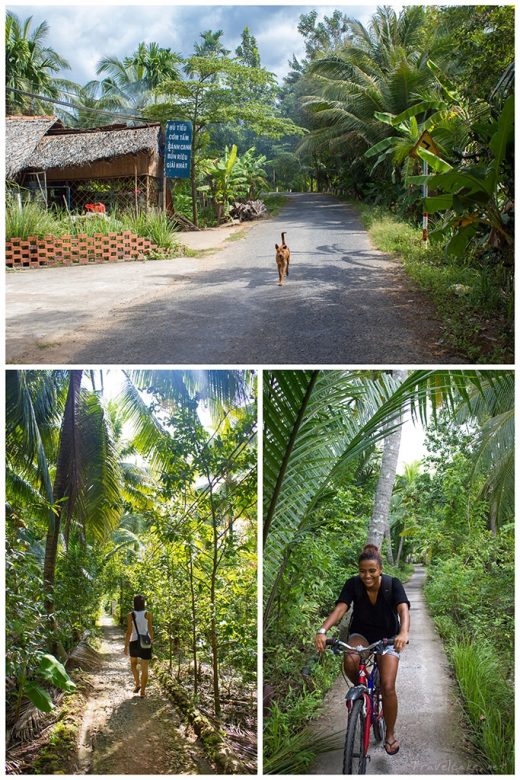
x=388, y=666
x=135, y=670
x=144, y=676
x=351, y=660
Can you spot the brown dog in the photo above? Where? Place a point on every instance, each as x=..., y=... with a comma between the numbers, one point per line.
x=283, y=255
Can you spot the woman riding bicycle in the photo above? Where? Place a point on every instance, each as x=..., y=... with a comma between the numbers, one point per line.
x=381, y=610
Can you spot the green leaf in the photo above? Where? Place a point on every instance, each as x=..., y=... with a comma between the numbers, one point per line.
x=386, y=143
x=52, y=670
x=39, y=697
x=460, y=240
x=504, y=133
x=438, y=203
x=436, y=163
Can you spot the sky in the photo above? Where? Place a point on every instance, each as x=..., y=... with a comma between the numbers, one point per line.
x=85, y=34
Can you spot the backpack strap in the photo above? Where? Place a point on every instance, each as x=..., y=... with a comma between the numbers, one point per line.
x=387, y=584
x=135, y=624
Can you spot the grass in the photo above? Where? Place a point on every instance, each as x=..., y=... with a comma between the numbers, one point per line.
x=33, y=220
x=473, y=300
x=274, y=202
x=488, y=702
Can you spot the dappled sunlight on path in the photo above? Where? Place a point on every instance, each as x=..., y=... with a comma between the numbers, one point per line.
x=123, y=733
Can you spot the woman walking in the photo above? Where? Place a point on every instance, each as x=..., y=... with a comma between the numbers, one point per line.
x=139, y=622
x=381, y=610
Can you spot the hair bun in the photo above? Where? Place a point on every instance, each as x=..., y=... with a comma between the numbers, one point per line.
x=372, y=548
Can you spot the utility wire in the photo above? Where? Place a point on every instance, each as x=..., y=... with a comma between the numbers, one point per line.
x=77, y=108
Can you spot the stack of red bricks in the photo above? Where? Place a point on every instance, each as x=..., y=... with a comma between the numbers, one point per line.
x=76, y=250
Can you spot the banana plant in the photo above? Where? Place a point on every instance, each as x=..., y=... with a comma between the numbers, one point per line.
x=225, y=183
x=474, y=196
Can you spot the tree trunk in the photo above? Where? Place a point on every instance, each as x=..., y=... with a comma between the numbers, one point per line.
x=63, y=496
x=193, y=628
x=385, y=485
x=389, y=551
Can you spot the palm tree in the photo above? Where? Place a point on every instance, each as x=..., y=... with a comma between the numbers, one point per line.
x=317, y=423
x=382, y=69
x=84, y=496
x=379, y=524
x=130, y=82
x=30, y=66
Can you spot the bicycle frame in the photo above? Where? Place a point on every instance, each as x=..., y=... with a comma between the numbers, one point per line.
x=366, y=690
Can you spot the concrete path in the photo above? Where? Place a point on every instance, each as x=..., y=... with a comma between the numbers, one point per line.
x=344, y=302
x=429, y=722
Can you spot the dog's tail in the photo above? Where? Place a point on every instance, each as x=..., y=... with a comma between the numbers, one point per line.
x=283, y=240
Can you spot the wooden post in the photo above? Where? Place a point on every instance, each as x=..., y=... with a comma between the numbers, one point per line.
x=135, y=189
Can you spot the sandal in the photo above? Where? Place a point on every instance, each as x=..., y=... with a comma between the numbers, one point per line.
x=137, y=689
x=143, y=695
x=390, y=745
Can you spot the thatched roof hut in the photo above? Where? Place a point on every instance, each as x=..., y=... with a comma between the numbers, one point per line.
x=68, y=148
x=124, y=163
x=22, y=136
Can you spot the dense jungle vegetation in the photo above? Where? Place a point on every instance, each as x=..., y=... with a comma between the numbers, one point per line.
x=120, y=483
x=328, y=443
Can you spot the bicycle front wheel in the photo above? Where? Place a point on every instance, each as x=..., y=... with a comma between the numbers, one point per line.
x=379, y=725
x=354, y=758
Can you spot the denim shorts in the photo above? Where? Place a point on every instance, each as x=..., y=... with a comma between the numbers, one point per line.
x=385, y=651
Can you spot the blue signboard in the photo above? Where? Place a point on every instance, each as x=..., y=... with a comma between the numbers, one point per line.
x=177, y=150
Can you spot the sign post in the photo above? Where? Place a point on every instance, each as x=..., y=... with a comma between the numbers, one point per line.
x=177, y=152
x=425, y=142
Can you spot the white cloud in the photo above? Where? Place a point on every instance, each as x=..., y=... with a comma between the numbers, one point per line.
x=85, y=34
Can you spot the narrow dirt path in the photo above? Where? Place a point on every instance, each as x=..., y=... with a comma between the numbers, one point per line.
x=123, y=734
x=429, y=725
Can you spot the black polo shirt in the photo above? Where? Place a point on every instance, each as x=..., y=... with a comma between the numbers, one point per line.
x=373, y=621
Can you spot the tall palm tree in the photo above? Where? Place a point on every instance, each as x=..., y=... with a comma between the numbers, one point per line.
x=317, y=423
x=84, y=496
x=30, y=66
x=379, y=524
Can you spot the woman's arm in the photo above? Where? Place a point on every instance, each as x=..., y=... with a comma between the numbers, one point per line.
x=128, y=632
x=334, y=618
x=150, y=626
x=404, y=617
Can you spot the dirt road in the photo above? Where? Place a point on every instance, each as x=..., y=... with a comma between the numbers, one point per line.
x=123, y=734
x=344, y=302
x=429, y=722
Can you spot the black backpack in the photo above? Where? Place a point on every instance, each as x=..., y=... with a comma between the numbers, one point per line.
x=387, y=583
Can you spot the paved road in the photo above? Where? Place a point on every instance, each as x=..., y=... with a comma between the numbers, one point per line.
x=429, y=722
x=344, y=302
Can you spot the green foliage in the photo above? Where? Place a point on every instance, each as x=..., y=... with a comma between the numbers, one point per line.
x=476, y=198
x=473, y=296
x=488, y=696
x=154, y=225
x=31, y=220
x=180, y=528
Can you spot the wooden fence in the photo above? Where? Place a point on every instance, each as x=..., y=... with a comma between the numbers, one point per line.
x=76, y=250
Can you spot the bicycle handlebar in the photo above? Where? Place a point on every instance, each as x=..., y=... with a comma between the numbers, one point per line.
x=343, y=646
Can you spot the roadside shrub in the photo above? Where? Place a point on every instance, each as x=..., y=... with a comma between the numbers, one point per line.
x=488, y=701
x=153, y=225
x=31, y=220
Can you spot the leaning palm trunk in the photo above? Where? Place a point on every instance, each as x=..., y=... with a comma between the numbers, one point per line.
x=381, y=512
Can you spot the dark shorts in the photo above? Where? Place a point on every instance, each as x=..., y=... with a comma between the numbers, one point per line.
x=136, y=651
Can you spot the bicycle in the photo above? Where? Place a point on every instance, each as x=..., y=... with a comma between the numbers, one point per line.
x=364, y=705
